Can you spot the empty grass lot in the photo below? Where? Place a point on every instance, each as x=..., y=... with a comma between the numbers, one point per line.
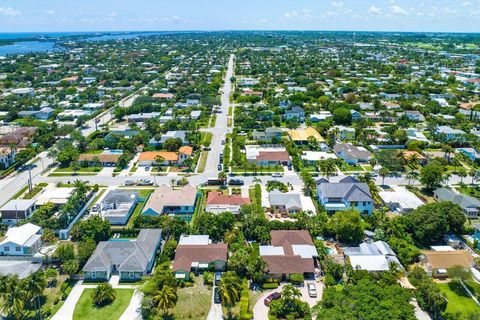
x=85, y=310
x=193, y=302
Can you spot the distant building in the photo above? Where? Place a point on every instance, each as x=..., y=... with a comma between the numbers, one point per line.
x=295, y=113
x=176, y=202
x=284, y=203
x=118, y=206
x=352, y=154
x=469, y=205
x=217, y=202
x=17, y=209
x=372, y=256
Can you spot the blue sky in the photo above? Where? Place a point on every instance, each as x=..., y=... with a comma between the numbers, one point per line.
x=117, y=15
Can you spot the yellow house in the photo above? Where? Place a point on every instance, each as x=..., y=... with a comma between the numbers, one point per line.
x=300, y=136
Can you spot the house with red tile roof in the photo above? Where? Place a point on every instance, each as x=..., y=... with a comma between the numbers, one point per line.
x=217, y=202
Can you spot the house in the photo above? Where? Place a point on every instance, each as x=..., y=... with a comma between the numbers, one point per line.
x=449, y=134
x=72, y=114
x=412, y=115
x=268, y=134
x=312, y=157
x=176, y=202
x=118, y=205
x=195, y=114
x=54, y=195
x=320, y=116
x=20, y=137
x=182, y=135
x=130, y=259
x=414, y=134
x=346, y=133
x=148, y=158
x=115, y=135
x=267, y=155
x=7, y=157
x=17, y=209
x=436, y=263
x=289, y=252
x=471, y=153
x=43, y=114
x=284, y=203
x=105, y=159
x=400, y=200
x=164, y=96
x=93, y=106
x=301, y=136
x=217, y=202
x=142, y=117
x=351, y=154
x=295, y=113
x=196, y=253
x=347, y=194
x=469, y=205
x=355, y=115
x=409, y=155
x=371, y=256
x=25, y=240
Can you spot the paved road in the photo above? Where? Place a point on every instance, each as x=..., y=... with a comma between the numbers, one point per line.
x=221, y=128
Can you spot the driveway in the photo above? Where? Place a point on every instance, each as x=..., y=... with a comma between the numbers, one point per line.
x=260, y=310
x=305, y=297
x=215, y=312
x=133, y=310
x=66, y=311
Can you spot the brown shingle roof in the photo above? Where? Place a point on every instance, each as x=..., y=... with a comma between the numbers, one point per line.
x=186, y=254
x=447, y=259
x=273, y=156
x=288, y=264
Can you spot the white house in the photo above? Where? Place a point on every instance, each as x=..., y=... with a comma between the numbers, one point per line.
x=25, y=240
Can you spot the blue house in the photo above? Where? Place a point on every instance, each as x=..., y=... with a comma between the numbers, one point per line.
x=471, y=153
x=347, y=194
x=295, y=113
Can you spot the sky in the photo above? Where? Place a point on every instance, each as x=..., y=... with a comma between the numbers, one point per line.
x=159, y=15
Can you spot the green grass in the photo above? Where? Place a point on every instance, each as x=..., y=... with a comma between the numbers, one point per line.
x=193, y=302
x=264, y=170
x=85, y=310
x=136, y=212
x=458, y=299
x=100, y=192
x=203, y=162
x=213, y=120
x=473, y=191
x=20, y=192
x=206, y=138
x=35, y=190
x=230, y=111
x=81, y=169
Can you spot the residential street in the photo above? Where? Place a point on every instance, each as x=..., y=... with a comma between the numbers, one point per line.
x=220, y=129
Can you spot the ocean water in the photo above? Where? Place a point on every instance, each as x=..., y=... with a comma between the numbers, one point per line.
x=27, y=47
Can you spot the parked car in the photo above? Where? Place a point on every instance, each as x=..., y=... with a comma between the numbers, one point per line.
x=271, y=297
x=223, y=142
x=312, y=291
x=236, y=182
x=96, y=208
x=145, y=182
x=216, y=296
x=219, y=167
x=218, y=276
x=277, y=175
x=147, y=168
x=129, y=182
x=207, y=148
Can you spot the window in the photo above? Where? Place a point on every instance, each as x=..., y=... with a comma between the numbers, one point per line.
x=17, y=249
x=6, y=249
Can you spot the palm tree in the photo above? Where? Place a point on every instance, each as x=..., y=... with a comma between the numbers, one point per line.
x=411, y=176
x=103, y=294
x=393, y=268
x=158, y=161
x=165, y=299
x=448, y=151
x=289, y=293
x=473, y=173
x=462, y=173
x=222, y=176
x=383, y=172
x=12, y=297
x=229, y=289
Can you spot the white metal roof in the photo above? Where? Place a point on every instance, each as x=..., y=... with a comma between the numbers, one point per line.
x=194, y=240
x=21, y=235
x=271, y=251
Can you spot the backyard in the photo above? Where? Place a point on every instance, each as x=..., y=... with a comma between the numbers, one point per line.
x=458, y=299
x=86, y=310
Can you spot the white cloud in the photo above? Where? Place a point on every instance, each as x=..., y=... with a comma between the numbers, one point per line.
x=337, y=4
x=50, y=12
x=291, y=15
x=466, y=3
x=262, y=21
x=374, y=10
x=9, y=11
x=398, y=10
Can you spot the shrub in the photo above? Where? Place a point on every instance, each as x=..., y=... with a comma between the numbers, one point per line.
x=103, y=294
x=271, y=285
x=296, y=278
x=329, y=280
x=208, y=278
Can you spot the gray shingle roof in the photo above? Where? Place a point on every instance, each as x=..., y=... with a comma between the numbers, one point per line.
x=288, y=200
x=462, y=200
x=128, y=255
x=348, y=189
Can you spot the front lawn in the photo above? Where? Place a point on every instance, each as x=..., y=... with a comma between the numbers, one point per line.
x=458, y=299
x=193, y=302
x=85, y=310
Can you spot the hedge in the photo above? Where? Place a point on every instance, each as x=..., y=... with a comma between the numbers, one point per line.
x=271, y=285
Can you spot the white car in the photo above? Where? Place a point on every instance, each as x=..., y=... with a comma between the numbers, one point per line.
x=312, y=291
x=277, y=175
